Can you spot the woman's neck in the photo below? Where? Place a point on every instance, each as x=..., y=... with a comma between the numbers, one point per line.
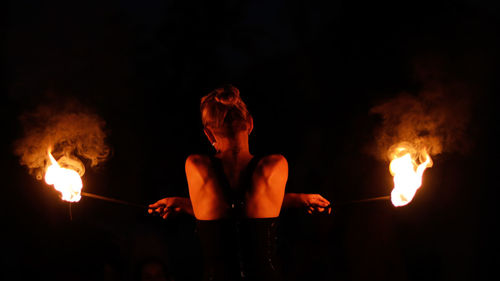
x=234, y=150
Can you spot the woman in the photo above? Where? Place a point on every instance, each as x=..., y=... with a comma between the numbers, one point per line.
x=235, y=196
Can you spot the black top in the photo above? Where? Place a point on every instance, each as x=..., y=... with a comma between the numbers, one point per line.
x=238, y=248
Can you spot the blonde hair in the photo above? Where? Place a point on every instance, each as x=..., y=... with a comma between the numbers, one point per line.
x=224, y=111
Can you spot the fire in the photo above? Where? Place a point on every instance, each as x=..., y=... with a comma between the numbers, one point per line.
x=66, y=181
x=407, y=174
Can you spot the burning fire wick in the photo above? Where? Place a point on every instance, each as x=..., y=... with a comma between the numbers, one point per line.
x=113, y=200
x=407, y=173
x=67, y=181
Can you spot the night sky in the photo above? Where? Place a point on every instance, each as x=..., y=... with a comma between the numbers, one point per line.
x=310, y=71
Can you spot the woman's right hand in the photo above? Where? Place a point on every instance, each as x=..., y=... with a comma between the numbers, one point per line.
x=170, y=205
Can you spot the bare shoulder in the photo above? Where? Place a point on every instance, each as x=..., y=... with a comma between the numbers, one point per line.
x=270, y=164
x=272, y=160
x=197, y=163
x=198, y=160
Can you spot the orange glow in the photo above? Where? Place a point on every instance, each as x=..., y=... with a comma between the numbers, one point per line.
x=67, y=181
x=407, y=175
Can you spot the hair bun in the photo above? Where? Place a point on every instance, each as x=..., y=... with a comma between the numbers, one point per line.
x=229, y=95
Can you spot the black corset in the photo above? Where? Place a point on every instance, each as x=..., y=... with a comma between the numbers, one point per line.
x=242, y=249
x=238, y=248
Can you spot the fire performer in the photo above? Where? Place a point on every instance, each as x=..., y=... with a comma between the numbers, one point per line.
x=236, y=197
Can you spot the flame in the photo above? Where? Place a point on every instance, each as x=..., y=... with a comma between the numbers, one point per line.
x=66, y=181
x=407, y=175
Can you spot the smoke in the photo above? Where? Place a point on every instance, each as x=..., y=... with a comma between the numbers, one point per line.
x=434, y=119
x=74, y=135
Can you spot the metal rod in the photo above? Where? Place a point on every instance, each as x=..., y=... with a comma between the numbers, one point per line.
x=379, y=198
x=388, y=197
x=95, y=196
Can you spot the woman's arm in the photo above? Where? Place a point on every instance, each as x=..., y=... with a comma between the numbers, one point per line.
x=314, y=203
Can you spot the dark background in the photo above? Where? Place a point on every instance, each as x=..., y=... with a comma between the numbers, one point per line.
x=309, y=71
